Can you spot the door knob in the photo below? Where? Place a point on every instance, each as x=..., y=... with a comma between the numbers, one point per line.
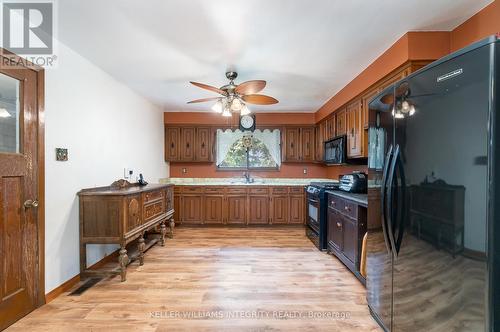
x=30, y=204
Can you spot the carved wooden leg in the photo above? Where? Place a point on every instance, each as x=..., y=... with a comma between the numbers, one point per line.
x=123, y=260
x=172, y=226
x=141, y=246
x=163, y=231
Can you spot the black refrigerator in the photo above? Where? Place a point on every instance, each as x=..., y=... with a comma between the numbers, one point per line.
x=434, y=264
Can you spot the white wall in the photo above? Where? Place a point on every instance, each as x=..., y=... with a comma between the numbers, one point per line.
x=106, y=127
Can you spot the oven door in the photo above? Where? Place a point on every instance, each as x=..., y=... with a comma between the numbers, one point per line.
x=313, y=213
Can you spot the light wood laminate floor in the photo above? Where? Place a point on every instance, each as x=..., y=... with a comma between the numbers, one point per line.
x=225, y=279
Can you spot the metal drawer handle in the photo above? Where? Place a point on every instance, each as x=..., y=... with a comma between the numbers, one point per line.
x=347, y=208
x=339, y=225
x=30, y=204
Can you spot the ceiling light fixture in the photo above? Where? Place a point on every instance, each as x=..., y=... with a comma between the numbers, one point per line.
x=4, y=113
x=227, y=112
x=218, y=106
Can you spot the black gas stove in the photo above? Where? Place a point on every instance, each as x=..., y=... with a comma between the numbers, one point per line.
x=316, y=222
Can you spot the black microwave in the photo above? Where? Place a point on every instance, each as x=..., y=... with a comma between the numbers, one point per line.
x=336, y=150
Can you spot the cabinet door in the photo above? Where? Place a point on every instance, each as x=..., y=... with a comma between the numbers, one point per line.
x=203, y=144
x=354, y=128
x=172, y=142
x=187, y=148
x=340, y=121
x=329, y=130
x=279, y=209
x=297, y=210
x=169, y=195
x=307, y=144
x=213, y=209
x=365, y=102
x=191, y=209
x=236, y=209
x=292, y=144
x=335, y=230
x=177, y=208
x=350, y=240
x=320, y=139
x=133, y=212
x=259, y=210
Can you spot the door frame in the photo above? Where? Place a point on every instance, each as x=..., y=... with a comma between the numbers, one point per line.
x=40, y=156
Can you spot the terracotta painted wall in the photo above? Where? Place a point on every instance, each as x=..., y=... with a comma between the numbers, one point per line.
x=195, y=170
x=484, y=23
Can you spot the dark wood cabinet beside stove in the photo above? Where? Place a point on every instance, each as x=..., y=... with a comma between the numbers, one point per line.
x=120, y=214
x=346, y=226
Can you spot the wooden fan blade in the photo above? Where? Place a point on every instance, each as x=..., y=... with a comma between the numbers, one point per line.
x=208, y=87
x=259, y=99
x=387, y=99
x=202, y=100
x=250, y=87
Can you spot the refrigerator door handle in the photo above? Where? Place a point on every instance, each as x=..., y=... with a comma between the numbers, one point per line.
x=391, y=198
x=385, y=228
x=403, y=215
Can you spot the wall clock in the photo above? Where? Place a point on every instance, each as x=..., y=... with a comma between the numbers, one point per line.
x=247, y=122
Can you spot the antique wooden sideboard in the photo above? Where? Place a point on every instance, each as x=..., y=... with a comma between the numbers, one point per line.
x=121, y=213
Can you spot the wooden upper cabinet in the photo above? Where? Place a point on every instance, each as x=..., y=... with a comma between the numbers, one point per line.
x=354, y=130
x=329, y=130
x=172, y=142
x=307, y=144
x=365, y=99
x=292, y=144
x=340, y=123
x=319, y=150
x=203, y=144
x=394, y=78
x=188, y=144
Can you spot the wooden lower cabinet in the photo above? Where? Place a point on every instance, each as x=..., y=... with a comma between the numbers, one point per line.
x=279, y=208
x=258, y=207
x=191, y=209
x=236, y=209
x=213, y=209
x=233, y=205
x=297, y=210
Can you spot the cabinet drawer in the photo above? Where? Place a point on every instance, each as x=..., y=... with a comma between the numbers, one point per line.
x=153, y=210
x=335, y=202
x=192, y=190
x=264, y=191
x=350, y=209
x=343, y=206
x=214, y=190
x=279, y=190
x=177, y=190
x=232, y=190
x=296, y=190
x=153, y=196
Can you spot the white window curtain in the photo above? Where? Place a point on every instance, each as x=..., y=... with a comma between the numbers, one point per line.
x=271, y=139
x=226, y=138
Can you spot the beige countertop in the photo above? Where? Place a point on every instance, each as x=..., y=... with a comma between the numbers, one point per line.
x=241, y=181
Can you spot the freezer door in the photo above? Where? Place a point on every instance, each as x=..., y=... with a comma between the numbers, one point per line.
x=440, y=197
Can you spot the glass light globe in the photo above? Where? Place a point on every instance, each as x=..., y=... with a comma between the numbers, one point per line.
x=217, y=108
x=236, y=104
x=245, y=110
x=227, y=113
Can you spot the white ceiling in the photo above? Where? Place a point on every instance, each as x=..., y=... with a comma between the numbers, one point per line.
x=306, y=50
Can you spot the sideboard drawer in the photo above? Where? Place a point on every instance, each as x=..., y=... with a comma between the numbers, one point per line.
x=214, y=190
x=153, y=196
x=232, y=190
x=153, y=210
x=280, y=190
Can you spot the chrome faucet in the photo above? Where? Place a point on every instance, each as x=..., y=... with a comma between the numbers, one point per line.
x=247, y=177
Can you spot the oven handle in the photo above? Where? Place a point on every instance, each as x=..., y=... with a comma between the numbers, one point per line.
x=313, y=200
x=383, y=199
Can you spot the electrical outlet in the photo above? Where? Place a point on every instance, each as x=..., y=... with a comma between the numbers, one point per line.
x=305, y=170
x=184, y=170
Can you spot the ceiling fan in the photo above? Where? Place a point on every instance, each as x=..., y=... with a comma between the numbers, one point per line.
x=235, y=96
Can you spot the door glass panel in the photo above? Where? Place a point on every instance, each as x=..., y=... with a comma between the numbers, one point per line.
x=9, y=115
